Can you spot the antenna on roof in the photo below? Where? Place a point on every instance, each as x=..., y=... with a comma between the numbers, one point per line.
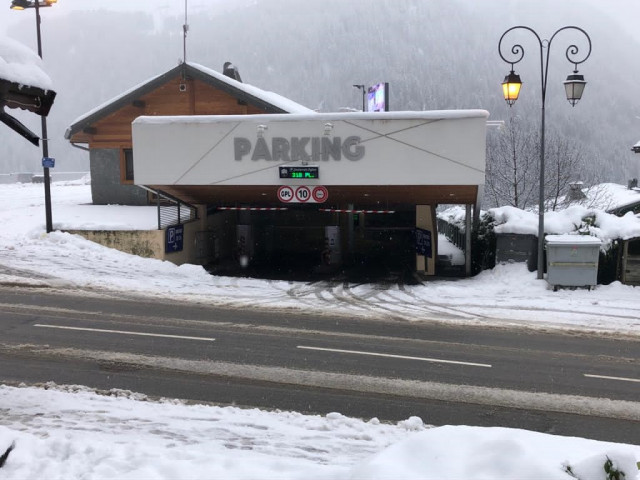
x=185, y=29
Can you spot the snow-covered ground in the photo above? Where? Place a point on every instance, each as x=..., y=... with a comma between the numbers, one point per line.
x=506, y=295
x=76, y=433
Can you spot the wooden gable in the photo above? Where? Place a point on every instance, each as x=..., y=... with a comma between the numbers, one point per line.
x=171, y=98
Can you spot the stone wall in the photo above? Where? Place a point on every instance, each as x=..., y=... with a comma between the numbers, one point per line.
x=106, y=187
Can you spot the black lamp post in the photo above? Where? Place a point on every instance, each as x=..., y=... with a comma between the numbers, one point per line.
x=574, y=87
x=21, y=5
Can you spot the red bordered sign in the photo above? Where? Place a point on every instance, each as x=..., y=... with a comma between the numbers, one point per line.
x=303, y=194
x=286, y=194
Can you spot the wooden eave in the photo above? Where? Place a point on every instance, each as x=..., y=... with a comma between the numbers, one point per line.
x=133, y=97
x=373, y=197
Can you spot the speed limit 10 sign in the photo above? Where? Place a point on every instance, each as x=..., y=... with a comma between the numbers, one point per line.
x=303, y=194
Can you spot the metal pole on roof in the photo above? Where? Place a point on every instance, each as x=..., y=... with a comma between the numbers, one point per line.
x=185, y=29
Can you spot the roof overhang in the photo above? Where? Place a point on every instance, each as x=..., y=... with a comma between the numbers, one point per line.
x=396, y=157
x=25, y=97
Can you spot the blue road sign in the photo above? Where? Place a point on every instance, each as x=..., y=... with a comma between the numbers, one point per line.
x=48, y=162
x=174, y=239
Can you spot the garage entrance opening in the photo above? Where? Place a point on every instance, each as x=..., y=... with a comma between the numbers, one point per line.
x=308, y=243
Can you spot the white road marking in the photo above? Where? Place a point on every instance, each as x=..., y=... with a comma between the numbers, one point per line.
x=621, y=379
x=403, y=357
x=125, y=332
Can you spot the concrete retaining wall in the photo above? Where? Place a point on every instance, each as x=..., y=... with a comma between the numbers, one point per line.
x=144, y=243
x=151, y=243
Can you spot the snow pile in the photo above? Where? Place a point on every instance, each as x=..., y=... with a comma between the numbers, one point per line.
x=73, y=433
x=573, y=220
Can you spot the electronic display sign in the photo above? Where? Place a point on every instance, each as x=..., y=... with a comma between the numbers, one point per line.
x=303, y=173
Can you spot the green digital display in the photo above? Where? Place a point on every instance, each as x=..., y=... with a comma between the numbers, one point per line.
x=300, y=172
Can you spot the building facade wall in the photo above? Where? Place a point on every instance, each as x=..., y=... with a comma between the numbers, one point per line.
x=106, y=186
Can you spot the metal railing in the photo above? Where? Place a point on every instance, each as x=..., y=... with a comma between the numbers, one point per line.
x=453, y=233
x=172, y=210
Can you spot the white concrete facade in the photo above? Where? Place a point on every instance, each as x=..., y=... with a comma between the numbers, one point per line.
x=392, y=148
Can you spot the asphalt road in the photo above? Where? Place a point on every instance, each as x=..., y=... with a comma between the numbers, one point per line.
x=567, y=383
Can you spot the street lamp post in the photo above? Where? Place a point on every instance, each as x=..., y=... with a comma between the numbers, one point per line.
x=574, y=86
x=21, y=5
x=361, y=87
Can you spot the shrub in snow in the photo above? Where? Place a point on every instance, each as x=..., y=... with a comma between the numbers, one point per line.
x=5, y=455
x=610, y=466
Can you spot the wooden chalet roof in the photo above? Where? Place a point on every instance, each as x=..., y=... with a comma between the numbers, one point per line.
x=267, y=102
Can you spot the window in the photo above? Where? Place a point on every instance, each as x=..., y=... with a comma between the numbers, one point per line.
x=128, y=164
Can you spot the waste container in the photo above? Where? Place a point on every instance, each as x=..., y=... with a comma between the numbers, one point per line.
x=572, y=260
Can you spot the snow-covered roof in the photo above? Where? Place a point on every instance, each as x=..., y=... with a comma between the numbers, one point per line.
x=610, y=196
x=289, y=106
x=270, y=101
x=606, y=226
x=511, y=220
x=19, y=64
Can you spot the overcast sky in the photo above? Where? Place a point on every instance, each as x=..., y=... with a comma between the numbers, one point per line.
x=627, y=11
x=161, y=7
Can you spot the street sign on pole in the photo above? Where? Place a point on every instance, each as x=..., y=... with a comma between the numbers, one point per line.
x=48, y=162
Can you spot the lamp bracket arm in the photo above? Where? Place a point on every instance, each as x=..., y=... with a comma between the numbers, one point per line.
x=516, y=53
x=573, y=51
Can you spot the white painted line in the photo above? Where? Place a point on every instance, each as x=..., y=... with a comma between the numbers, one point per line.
x=621, y=379
x=124, y=332
x=403, y=357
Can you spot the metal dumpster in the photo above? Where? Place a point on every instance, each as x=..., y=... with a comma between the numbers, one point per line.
x=572, y=260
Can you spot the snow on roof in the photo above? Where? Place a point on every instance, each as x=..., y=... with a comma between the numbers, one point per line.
x=19, y=64
x=321, y=117
x=269, y=97
x=606, y=226
x=511, y=220
x=607, y=196
x=572, y=239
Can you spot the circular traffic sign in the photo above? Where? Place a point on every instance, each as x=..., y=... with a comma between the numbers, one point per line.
x=303, y=194
x=285, y=194
x=320, y=194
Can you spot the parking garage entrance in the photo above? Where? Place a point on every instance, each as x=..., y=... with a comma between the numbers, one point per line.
x=307, y=242
x=319, y=193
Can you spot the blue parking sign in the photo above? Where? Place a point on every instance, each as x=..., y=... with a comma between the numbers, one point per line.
x=174, y=239
x=423, y=242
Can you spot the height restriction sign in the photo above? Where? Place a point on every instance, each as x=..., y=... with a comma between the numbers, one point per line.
x=303, y=194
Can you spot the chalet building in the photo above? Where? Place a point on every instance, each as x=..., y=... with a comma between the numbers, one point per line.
x=188, y=89
x=260, y=180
